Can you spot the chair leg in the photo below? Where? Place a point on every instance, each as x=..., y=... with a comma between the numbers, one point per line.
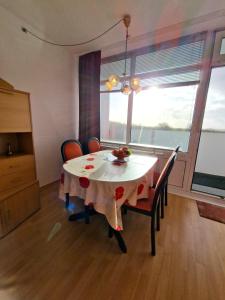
x=162, y=204
x=87, y=219
x=124, y=210
x=158, y=218
x=120, y=241
x=110, y=232
x=166, y=194
x=67, y=200
x=153, y=236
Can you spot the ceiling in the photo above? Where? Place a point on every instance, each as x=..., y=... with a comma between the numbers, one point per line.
x=73, y=21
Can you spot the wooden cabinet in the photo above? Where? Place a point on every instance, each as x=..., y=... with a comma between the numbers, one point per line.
x=19, y=188
x=19, y=205
x=16, y=170
x=14, y=112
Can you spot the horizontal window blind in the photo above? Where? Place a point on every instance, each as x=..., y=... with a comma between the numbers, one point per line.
x=170, y=79
x=180, y=56
x=116, y=67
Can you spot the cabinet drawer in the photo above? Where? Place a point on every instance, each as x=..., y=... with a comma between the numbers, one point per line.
x=9, y=165
x=12, y=180
x=14, y=112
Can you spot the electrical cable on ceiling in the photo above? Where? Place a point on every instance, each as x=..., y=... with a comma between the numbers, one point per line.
x=25, y=30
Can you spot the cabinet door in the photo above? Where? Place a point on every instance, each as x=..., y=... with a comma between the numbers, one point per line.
x=14, y=112
x=21, y=205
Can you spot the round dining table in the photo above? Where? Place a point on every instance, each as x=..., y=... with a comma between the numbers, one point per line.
x=106, y=183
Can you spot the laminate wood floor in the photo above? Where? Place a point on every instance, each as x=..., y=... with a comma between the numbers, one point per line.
x=81, y=262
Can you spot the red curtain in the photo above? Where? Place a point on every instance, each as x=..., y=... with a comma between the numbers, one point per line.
x=89, y=97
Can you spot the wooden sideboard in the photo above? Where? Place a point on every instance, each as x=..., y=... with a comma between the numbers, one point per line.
x=19, y=188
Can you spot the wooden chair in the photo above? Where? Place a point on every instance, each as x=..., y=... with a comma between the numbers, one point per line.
x=151, y=205
x=71, y=149
x=165, y=198
x=94, y=145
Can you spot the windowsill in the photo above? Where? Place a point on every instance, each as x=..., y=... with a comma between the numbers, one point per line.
x=156, y=150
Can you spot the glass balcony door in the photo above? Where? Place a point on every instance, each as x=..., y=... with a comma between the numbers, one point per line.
x=209, y=174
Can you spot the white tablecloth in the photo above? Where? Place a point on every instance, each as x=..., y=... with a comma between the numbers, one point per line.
x=106, y=184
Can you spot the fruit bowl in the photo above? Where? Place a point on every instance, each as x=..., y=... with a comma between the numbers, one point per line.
x=121, y=153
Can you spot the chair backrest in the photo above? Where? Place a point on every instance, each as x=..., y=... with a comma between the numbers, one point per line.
x=177, y=149
x=163, y=178
x=93, y=145
x=71, y=149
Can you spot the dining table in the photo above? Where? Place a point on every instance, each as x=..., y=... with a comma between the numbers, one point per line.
x=106, y=183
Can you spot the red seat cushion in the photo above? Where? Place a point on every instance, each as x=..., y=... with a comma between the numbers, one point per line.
x=72, y=150
x=94, y=146
x=146, y=203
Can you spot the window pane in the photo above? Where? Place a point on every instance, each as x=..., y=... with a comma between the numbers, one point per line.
x=113, y=116
x=209, y=175
x=163, y=117
x=222, y=49
x=103, y=88
x=116, y=67
x=174, y=78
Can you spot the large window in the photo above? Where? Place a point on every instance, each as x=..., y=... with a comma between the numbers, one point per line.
x=209, y=175
x=113, y=117
x=163, y=117
x=161, y=114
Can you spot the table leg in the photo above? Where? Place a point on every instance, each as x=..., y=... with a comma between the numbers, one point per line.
x=67, y=200
x=119, y=239
x=83, y=215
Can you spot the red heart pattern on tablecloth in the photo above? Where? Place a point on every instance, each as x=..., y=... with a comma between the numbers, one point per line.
x=90, y=158
x=88, y=167
x=119, y=191
x=84, y=182
x=140, y=188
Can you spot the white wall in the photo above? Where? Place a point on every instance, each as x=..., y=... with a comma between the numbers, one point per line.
x=206, y=22
x=49, y=74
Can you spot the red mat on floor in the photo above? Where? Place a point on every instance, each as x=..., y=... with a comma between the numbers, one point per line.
x=211, y=211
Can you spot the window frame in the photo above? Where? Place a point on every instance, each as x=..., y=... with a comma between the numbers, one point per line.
x=145, y=50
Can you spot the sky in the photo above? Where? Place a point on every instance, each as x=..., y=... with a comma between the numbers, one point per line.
x=214, y=117
x=173, y=106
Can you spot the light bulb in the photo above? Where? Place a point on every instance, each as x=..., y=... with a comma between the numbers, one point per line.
x=114, y=80
x=135, y=82
x=126, y=90
x=108, y=85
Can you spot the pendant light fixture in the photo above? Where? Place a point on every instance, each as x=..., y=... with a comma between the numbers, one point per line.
x=127, y=86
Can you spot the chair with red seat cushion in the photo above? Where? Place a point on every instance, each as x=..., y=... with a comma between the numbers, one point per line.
x=71, y=149
x=94, y=145
x=151, y=205
x=165, y=198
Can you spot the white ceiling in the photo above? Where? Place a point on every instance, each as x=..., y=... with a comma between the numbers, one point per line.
x=72, y=21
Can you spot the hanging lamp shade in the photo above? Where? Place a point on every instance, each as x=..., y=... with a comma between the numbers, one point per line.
x=126, y=86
